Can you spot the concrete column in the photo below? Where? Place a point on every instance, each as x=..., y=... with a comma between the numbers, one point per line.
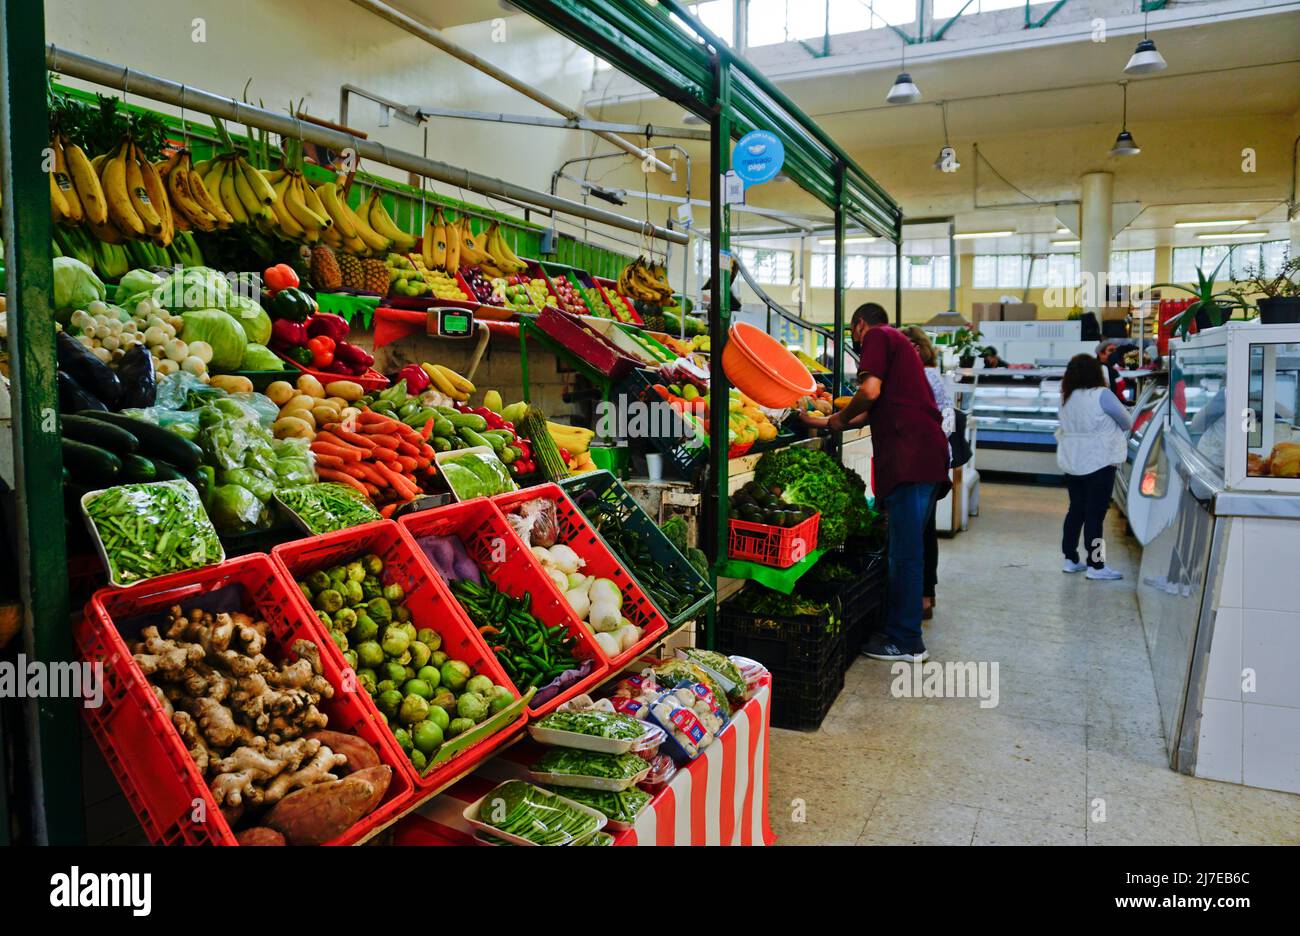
x=1096, y=195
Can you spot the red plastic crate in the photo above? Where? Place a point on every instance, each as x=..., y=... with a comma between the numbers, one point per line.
x=370, y=380
x=511, y=567
x=431, y=605
x=573, y=333
x=615, y=300
x=143, y=749
x=780, y=547
x=577, y=534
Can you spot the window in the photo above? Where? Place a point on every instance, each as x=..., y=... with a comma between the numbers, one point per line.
x=1054, y=270
x=877, y=272
x=774, y=21
x=768, y=266
x=1268, y=253
x=1016, y=271
x=946, y=9
x=718, y=16
x=1133, y=267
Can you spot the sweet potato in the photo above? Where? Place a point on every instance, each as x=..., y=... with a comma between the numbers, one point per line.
x=260, y=835
x=322, y=811
x=378, y=777
x=359, y=753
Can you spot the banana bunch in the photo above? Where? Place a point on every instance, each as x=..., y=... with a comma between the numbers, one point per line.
x=352, y=228
x=242, y=191
x=76, y=194
x=433, y=245
x=448, y=382
x=574, y=438
x=472, y=253
x=503, y=259
x=300, y=214
x=193, y=207
x=645, y=281
x=382, y=223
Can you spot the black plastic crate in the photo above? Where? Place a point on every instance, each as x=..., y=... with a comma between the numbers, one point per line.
x=798, y=645
x=683, y=457
x=800, y=700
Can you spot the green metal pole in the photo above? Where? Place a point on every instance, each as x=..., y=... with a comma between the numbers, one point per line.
x=715, y=495
x=898, y=283
x=837, y=364
x=53, y=742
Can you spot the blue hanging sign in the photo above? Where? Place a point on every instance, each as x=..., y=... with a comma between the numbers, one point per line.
x=759, y=157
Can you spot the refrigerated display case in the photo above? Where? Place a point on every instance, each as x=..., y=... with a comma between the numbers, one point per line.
x=1217, y=509
x=1016, y=410
x=1147, y=414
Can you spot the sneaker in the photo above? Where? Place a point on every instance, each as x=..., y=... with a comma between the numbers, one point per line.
x=1104, y=574
x=1069, y=565
x=879, y=647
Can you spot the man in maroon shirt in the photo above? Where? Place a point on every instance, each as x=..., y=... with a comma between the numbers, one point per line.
x=910, y=455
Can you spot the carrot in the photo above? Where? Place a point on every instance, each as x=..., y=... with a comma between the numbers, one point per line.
x=370, y=473
x=409, y=464
x=329, y=438
x=344, y=452
x=427, y=431
x=366, y=417
x=351, y=438
x=407, y=448
x=399, y=482
x=342, y=477
x=386, y=511
x=426, y=452
x=331, y=461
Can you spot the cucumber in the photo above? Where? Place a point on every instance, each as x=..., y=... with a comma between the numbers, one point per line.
x=472, y=438
x=468, y=421
x=165, y=472
x=155, y=441
x=91, y=464
x=440, y=443
x=138, y=468
x=97, y=432
x=497, y=443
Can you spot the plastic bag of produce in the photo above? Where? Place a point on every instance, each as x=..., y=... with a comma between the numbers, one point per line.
x=633, y=695
x=258, y=406
x=679, y=672
x=236, y=509
x=294, y=462
x=184, y=391
x=536, y=522
x=147, y=530
x=252, y=318
x=221, y=332
x=720, y=669
x=136, y=284
x=75, y=284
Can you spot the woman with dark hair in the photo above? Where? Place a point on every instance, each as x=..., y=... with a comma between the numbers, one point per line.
x=930, y=359
x=1091, y=441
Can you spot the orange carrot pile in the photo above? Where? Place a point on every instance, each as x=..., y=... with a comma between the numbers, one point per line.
x=380, y=457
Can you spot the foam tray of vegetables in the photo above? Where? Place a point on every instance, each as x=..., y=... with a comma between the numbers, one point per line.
x=621, y=809
x=524, y=814
x=588, y=770
x=601, y=732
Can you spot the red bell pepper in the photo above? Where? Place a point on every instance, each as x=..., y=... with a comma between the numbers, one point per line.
x=286, y=334
x=417, y=381
x=564, y=453
x=281, y=276
x=329, y=324
x=322, y=351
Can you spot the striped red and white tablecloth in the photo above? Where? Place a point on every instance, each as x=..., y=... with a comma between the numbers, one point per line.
x=720, y=798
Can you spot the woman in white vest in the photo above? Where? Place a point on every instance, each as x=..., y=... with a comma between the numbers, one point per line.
x=1091, y=441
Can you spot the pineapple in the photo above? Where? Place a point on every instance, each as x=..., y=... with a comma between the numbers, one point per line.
x=374, y=276
x=325, y=271
x=350, y=270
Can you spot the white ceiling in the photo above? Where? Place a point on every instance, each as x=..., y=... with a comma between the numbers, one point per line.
x=444, y=14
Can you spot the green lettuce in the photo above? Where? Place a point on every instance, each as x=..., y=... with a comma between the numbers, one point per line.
x=75, y=284
x=219, y=330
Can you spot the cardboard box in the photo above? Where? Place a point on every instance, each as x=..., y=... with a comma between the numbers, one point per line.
x=985, y=312
x=1019, y=312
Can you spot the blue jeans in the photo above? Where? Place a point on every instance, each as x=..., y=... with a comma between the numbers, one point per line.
x=909, y=507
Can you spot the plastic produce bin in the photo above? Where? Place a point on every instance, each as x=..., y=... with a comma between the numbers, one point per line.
x=431, y=605
x=143, y=749
x=577, y=534
x=512, y=568
x=779, y=547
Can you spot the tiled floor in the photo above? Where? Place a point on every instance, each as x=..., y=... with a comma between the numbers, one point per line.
x=1072, y=754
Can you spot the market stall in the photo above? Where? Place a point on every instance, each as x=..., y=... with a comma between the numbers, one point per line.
x=271, y=507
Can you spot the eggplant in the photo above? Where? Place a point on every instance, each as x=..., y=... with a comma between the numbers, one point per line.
x=135, y=371
x=74, y=398
x=87, y=370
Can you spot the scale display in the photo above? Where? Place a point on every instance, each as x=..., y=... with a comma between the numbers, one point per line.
x=455, y=323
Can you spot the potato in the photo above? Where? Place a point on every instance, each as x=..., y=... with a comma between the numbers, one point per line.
x=260, y=835
x=291, y=427
x=280, y=392
x=347, y=389
x=232, y=384
x=311, y=386
x=338, y=401
x=324, y=811
x=299, y=402
x=325, y=413
x=358, y=751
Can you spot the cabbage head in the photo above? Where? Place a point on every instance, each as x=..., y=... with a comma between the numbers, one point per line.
x=252, y=317
x=258, y=357
x=221, y=331
x=193, y=288
x=75, y=284
x=137, y=281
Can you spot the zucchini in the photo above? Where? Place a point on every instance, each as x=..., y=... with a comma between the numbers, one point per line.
x=138, y=468
x=97, y=432
x=472, y=438
x=165, y=472
x=155, y=441
x=440, y=443
x=468, y=421
x=90, y=463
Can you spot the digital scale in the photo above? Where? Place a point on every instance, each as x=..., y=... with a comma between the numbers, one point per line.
x=451, y=322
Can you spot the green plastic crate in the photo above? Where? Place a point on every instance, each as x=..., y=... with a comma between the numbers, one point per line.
x=630, y=515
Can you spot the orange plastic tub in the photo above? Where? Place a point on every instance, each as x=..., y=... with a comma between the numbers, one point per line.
x=763, y=369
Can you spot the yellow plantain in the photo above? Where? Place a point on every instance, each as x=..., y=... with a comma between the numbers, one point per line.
x=86, y=182
x=121, y=211
x=374, y=241
x=435, y=252
x=452, y=263
x=460, y=383
x=295, y=202
x=251, y=201
x=330, y=238
x=149, y=213
x=257, y=182
x=440, y=380
x=289, y=225
x=203, y=195
x=59, y=209
x=225, y=179
x=185, y=206
x=153, y=185
x=313, y=203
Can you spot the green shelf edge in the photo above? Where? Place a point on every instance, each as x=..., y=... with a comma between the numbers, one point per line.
x=781, y=580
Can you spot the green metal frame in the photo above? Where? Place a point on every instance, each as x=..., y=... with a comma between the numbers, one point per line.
x=53, y=736
x=1031, y=23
